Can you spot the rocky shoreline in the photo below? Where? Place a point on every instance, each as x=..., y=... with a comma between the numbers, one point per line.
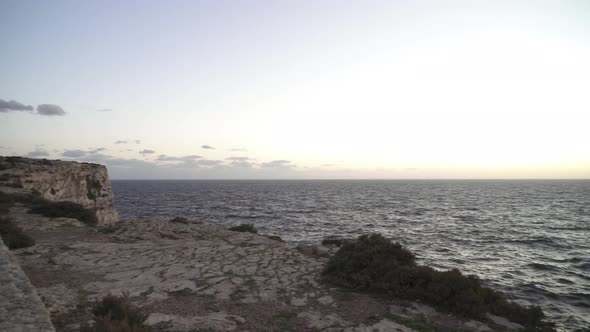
x=195, y=276
x=200, y=276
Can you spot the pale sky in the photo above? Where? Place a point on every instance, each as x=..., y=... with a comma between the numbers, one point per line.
x=300, y=89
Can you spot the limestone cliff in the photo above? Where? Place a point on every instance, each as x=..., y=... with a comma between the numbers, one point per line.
x=55, y=180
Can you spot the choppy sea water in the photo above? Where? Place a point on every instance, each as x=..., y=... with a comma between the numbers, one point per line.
x=530, y=239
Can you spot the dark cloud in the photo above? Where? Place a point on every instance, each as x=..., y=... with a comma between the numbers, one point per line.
x=81, y=153
x=207, y=147
x=164, y=157
x=37, y=154
x=137, y=141
x=146, y=151
x=278, y=164
x=74, y=153
x=121, y=142
x=43, y=109
x=12, y=105
x=50, y=110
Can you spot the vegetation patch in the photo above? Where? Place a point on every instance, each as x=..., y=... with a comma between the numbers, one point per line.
x=116, y=314
x=109, y=229
x=66, y=210
x=335, y=241
x=93, y=187
x=13, y=236
x=413, y=323
x=275, y=238
x=374, y=263
x=244, y=228
x=282, y=321
x=180, y=220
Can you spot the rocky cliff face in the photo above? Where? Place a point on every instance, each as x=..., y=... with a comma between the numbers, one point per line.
x=55, y=180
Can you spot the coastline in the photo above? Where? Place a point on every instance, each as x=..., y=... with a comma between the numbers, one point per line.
x=199, y=275
x=191, y=275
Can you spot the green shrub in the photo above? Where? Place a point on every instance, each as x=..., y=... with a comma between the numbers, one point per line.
x=65, y=209
x=180, y=220
x=275, y=238
x=6, y=198
x=93, y=187
x=12, y=236
x=244, y=228
x=374, y=263
x=336, y=241
x=413, y=323
x=116, y=314
x=109, y=229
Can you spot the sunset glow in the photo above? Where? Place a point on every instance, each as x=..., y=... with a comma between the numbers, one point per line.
x=300, y=89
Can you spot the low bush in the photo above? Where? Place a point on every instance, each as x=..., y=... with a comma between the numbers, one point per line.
x=374, y=263
x=29, y=199
x=12, y=236
x=116, y=314
x=66, y=210
x=336, y=241
x=244, y=228
x=275, y=238
x=180, y=220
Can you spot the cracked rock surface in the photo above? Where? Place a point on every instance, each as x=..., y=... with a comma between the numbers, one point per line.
x=197, y=277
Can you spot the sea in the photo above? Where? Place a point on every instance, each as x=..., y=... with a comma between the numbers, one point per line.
x=527, y=238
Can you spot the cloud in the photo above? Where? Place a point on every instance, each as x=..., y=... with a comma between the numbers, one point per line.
x=37, y=154
x=96, y=150
x=50, y=110
x=12, y=105
x=74, y=153
x=207, y=147
x=278, y=164
x=206, y=162
x=125, y=141
x=146, y=151
x=81, y=153
x=238, y=158
x=104, y=110
x=164, y=157
x=238, y=150
x=241, y=164
x=327, y=165
x=43, y=109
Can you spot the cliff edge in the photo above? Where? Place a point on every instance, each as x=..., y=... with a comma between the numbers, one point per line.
x=55, y=180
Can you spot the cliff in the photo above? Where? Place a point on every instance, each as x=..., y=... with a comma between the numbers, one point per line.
x=182, y=275
x=55, y=180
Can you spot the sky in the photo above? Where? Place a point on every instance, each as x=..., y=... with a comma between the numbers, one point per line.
x=300, y=89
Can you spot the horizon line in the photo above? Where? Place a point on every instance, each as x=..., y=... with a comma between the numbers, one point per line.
x=367, y=179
